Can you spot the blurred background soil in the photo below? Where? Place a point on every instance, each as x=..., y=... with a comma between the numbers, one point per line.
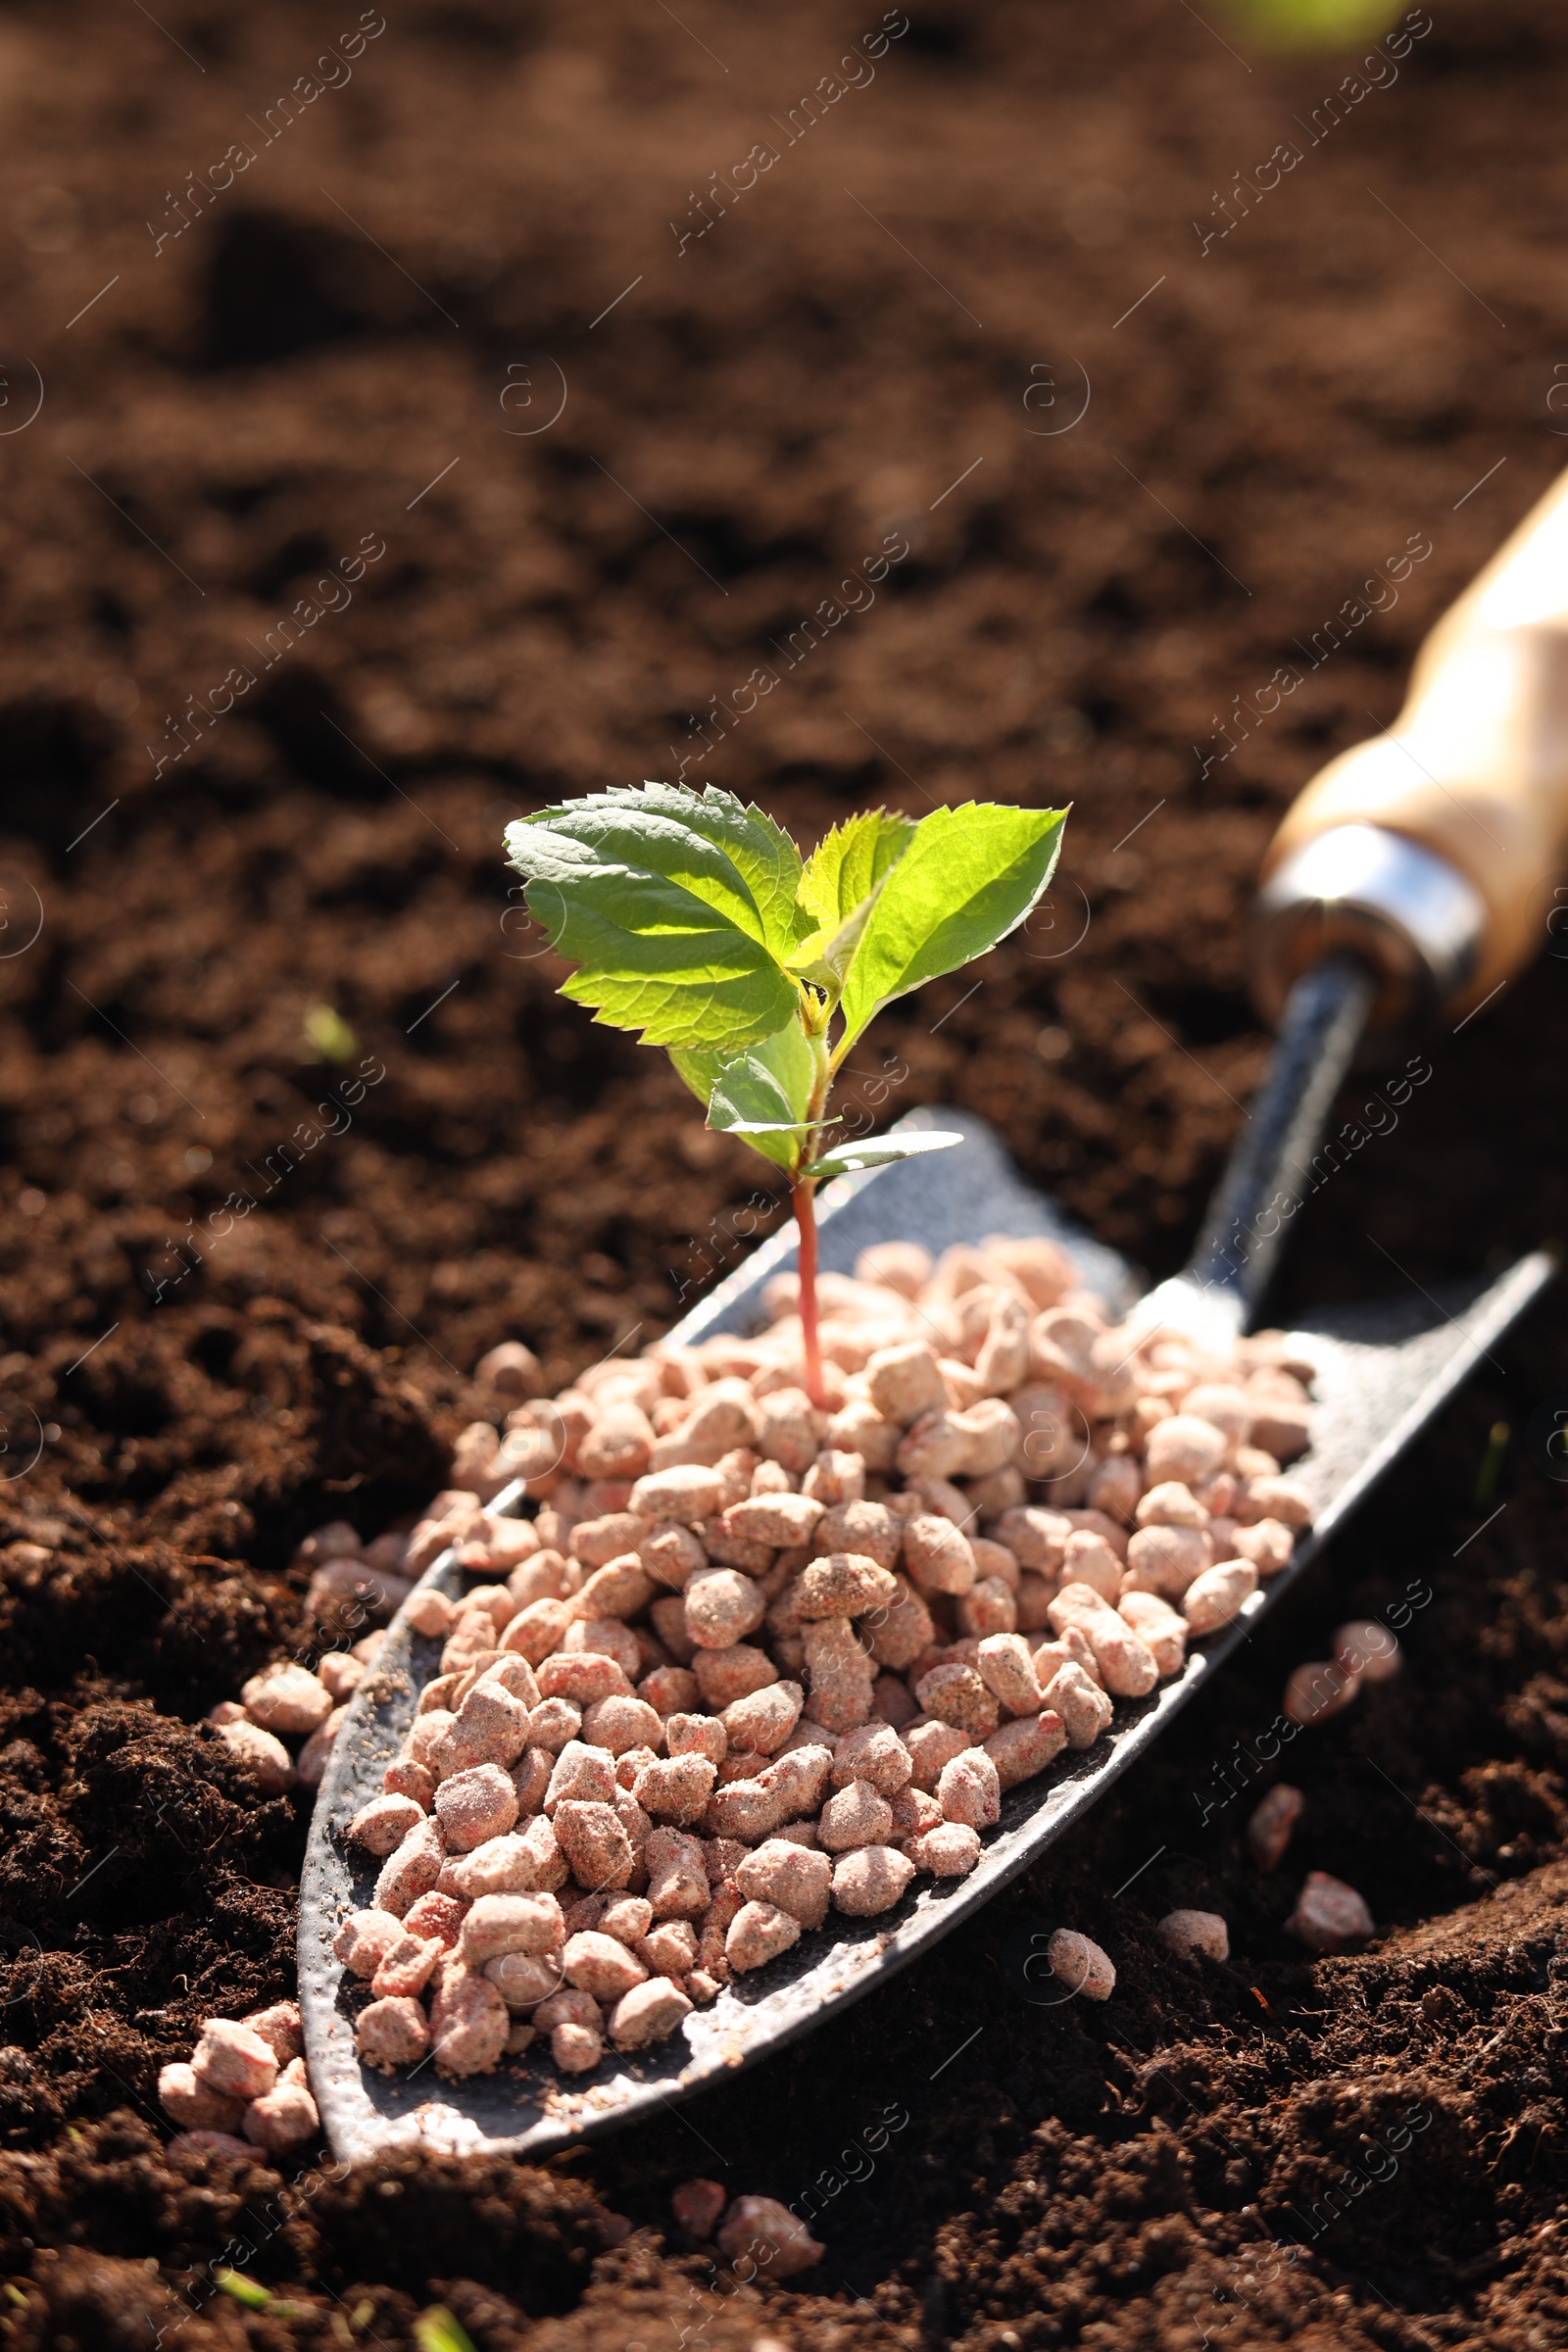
x=442, y=326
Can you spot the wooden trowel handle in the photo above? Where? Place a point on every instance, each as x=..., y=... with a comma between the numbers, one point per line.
x=1474, y=768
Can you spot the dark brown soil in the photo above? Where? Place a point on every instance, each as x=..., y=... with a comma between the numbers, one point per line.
x=267, y=392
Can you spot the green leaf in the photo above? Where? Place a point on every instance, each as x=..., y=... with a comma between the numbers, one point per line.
x=328, y=1034
x=699, y=1066
x=849, y=862
x=677, y=907
x=881, y=1152
x=839, y=888
x=244, y=2290
x=755, y=871
x=763, y=1096
x=970, y=876
x=436, y=2331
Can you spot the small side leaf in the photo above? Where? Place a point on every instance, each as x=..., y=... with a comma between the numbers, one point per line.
x=881, y=1152
x=762, y=1095
x=970, y=876
x=699, y=1066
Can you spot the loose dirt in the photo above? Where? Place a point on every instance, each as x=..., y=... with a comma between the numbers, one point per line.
x=229, y=1314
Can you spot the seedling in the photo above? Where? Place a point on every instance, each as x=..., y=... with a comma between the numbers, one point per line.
x=255, y=2296
x=695, y=922
x=1317, y=24
x=436, y=2331
x=328, y=1034
x=244, y=2290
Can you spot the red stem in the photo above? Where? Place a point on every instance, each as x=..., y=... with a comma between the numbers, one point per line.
x=802, y=1197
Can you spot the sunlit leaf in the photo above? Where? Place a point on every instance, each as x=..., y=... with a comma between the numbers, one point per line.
x=970, y=876
x=676, y=906
x=841, y=879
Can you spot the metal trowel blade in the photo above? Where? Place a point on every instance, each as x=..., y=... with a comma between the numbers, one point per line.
x=1382, y=1371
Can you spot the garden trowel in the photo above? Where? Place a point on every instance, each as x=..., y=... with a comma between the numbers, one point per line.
x=1410, y=883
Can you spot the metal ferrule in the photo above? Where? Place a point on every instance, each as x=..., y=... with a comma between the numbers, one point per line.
x=1377, y=895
